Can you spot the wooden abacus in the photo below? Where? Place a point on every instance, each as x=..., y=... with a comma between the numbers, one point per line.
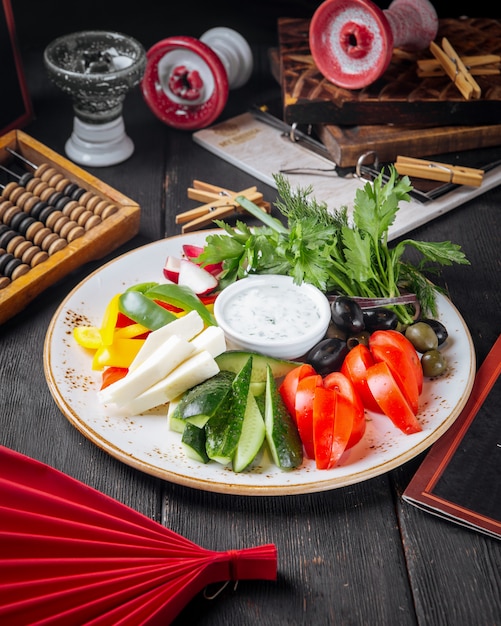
x=54, y=217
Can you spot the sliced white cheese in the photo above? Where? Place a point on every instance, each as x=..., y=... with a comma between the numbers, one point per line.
x=161, y=362
x=193, y=371
x=186, y=327
x=211, y=339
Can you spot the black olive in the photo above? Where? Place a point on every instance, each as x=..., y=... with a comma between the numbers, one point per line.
x=347, y=315
x=380, y=318
x=433, y=363
x=439, y=328
x=327, y=356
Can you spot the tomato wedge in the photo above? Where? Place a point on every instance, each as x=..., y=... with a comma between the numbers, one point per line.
x=355, y=367
x=324, y=411
x=402, y=369
x=394, y=337
x=288, y=388
x=349, y=405
x=305, y=394
x=390, y=398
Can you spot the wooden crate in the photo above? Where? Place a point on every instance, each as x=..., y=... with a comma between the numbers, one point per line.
x=109, y=234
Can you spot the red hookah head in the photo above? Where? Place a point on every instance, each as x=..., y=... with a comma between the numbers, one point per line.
x=352, y=41
x=185, y=83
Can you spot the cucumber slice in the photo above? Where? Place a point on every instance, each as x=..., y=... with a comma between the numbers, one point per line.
x=205, y=398
x=225, y=426
x=281, y=433
x=177, y=424
x=234, y=360
x=252, y=436
x=193, y=442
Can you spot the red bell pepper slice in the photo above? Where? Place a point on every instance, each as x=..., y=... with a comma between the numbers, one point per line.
x=305, y=394
x=288, y=388
x=354, y=367
x=394, y=337
x=112, y=374
x=349, y=405
x=390, y=398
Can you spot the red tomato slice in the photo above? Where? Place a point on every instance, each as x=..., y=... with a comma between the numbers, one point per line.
x=288, y=388
x=305, y=394
x=324, y=410
x=354, y=367
x=390, y=398
x=385, y=337
x=349, y=402
x=332, y=426
x=402, y=369
x=112, y=374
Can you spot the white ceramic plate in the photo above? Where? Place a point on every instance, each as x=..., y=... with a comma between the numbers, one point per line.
x=146, y=443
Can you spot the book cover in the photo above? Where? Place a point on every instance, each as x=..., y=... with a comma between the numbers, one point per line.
x=460, y=478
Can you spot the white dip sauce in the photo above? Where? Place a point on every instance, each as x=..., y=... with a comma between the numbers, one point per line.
x=272, y=312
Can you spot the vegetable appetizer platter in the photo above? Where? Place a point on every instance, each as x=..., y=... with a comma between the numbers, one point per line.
x=146, y=442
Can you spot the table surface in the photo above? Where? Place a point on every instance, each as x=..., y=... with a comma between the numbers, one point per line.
x=354, y=555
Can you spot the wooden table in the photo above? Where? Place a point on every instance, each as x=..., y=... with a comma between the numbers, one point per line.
x=354, y=555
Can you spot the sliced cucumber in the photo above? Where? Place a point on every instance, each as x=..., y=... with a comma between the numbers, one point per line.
x=224, y=428
x=234, y=360
x=281, y=433
x=252, y=436
x=177, y=424
x=193, y=442
x=205, y=398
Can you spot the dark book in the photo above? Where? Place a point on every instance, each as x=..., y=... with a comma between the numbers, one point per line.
x=399, y=96
x=460, y=478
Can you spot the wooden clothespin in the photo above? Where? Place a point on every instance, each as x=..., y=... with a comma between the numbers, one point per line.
x=455, y=69
x=432, y=170
x=218, y=203
x=478, y=65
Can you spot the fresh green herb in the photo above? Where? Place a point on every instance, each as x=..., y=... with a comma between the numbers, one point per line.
x=328, y=250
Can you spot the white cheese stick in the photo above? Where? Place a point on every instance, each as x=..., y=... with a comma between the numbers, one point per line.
x=193, y=371
x=211, y=339
x=186, y=327
x=161, y=362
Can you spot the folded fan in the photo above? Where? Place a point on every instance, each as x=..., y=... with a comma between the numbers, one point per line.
x=72, y=555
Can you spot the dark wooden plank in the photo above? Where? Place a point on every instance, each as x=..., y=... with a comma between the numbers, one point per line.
x=339, y=556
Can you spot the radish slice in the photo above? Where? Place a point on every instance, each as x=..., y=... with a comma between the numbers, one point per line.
x=171, y=268
x=193, y=252
x=197, y=278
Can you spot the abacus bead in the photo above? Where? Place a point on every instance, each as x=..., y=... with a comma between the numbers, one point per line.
x=56, y=245
x=5, y=257
x=7, y=236
x=93, y=221
x=4, y=282
x=26, y=224
x=19, y=270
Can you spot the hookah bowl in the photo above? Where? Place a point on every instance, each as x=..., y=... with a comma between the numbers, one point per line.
x=187, y=80
x=352, y=41
x=97, y=69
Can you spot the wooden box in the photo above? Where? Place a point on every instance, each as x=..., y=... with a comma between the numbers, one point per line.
x=97, y=241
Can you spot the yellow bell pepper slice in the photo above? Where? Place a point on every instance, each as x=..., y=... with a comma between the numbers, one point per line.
x=130, y=331
x=87, y=336
x=120, y=353
x=109, y=321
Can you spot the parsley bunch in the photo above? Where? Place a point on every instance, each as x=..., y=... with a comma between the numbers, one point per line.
x=327, y=250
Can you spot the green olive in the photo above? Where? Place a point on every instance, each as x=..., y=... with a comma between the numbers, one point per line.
x=422, y=336
x=433, y=363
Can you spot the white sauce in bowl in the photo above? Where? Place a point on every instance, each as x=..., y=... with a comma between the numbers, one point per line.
x=272, y=312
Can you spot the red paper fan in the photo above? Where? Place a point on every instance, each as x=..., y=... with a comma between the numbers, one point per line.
x=71, y=555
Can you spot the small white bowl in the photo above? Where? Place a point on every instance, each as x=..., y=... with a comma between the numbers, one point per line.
x=270, y=314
